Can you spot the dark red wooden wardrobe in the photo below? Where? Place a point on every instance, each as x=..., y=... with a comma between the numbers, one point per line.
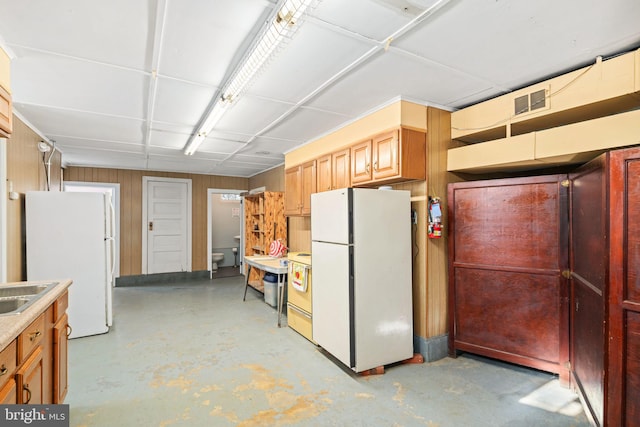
x=545, y=272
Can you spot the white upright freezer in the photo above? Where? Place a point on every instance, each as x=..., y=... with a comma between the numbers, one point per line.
x=362, y=292
x=70, y=236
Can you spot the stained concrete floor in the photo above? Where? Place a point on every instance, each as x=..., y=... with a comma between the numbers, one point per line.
x=194, y=354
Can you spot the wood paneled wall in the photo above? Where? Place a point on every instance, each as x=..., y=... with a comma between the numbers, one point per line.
x=273, y=179
x=438, y=142
x=25, y=172
x=131, y=209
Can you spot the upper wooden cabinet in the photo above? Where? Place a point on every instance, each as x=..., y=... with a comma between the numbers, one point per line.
x=361, y=162
x=334, y=171
x=6, y=113
x=385, y=155
x=341, y=169
x=299, y=184
x=323, y=181
x=393, y=156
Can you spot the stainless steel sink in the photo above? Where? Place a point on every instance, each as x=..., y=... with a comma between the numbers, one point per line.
x=14, y=299
x=21, y=290
x=10, y=305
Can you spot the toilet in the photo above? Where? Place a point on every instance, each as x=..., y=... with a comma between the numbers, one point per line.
x=216, y=257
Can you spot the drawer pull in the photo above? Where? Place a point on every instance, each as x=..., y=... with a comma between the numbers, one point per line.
x=69, y=330
x=296, y=309
x=34, y=335
x=3, y=370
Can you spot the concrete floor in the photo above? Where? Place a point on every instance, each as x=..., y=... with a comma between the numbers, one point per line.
x=194, y=354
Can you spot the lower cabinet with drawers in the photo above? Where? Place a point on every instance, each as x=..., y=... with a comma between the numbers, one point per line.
x=33, y=366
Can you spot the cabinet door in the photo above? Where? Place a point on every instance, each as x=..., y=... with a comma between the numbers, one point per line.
x=324, y=173
x=6, y=113
x=308, y=173
x=361, y=162
x=292, y=191
x=588, y=284
x=510, y=304
x=341, y=166
x=623, y=400
x=385, y=155
x=29, y=379
x=60, y=359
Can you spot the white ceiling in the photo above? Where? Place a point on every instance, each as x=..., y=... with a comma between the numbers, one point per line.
x=124, y=83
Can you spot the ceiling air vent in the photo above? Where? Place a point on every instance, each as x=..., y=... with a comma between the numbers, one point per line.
x=532, y=101
x=538, y=99
x=521, y=104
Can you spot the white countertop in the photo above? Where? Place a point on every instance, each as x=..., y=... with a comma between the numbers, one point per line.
x=12, y=325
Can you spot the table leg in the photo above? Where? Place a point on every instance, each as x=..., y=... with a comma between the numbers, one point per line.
x=246, y=283
x=280, y=296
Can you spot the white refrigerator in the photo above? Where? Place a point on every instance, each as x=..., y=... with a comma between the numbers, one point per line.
x=70, y=236
x=362, y=290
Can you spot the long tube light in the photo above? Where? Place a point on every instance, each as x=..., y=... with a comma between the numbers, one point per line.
x=282, y=26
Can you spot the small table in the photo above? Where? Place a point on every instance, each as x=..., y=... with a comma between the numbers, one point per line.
x=270, y=265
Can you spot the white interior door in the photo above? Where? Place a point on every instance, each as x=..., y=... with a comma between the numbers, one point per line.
x=167, y=225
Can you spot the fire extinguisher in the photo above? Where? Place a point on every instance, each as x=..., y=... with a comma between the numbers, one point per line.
x=434, y=229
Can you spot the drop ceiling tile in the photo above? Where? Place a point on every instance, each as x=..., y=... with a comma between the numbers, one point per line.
x=230, y=136
x=220, y=146
x=73, y=143
x=305, y=124
x=263, y=146
x=114, y=32
x=58, y=123
x=181, y=103
x=178, y=165
x=376, y=19
x=105, y=159
x=79, y=85
x=171, y=127
x=528, y=42
x=238, y=160
x=310, y=59
x=171, y=140
x=244, y=171
x=178, y=155
x=249, y=115
x=203, y=37
x=395, y=74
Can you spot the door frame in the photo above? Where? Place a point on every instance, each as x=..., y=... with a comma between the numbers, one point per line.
x=145, y=184
x=211, y=192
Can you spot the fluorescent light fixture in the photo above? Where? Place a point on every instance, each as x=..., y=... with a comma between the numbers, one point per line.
x=282, y=26
x=214, y=116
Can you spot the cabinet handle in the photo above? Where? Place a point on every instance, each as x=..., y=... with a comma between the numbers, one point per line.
x=294, y=308
x=375, y=165
x=69, y=330
x=3, y=370
x=26, y=388
x=34, y=335
x=367, y=169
